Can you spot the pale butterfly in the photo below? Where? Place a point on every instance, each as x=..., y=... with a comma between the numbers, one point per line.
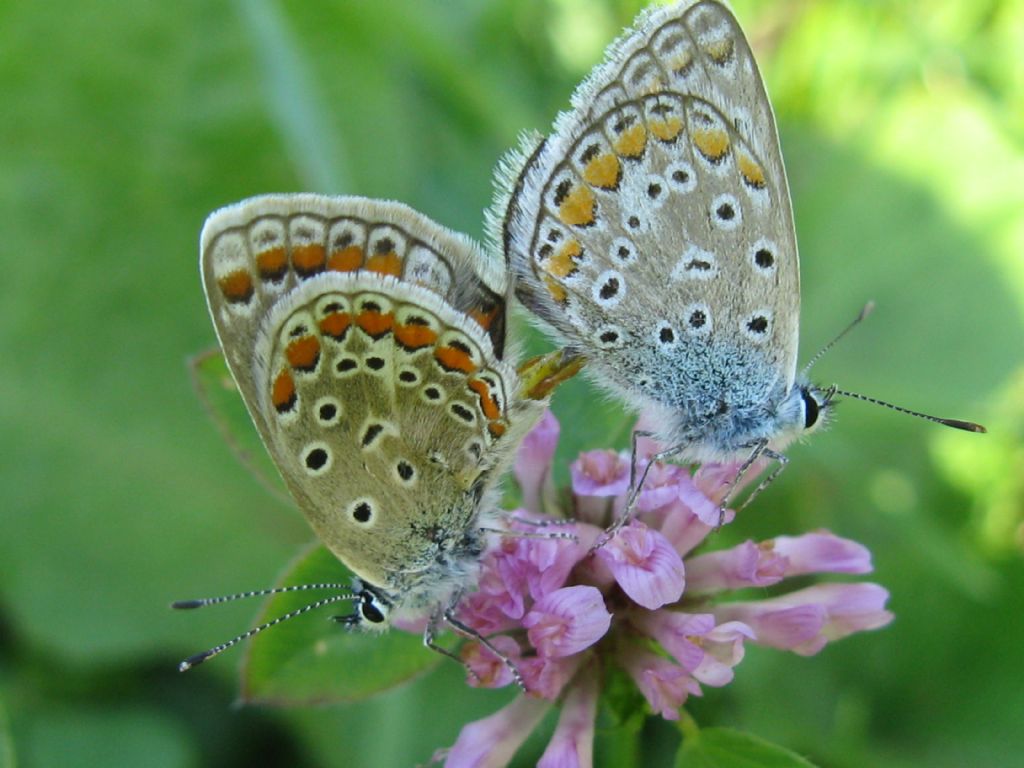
x=653, y=232
x=370, y=347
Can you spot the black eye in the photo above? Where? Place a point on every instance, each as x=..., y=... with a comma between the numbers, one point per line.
x=811, y=409
x=370, y=611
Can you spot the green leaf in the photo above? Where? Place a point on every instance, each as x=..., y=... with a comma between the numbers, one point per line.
x=312, y=660
x=222, y=402
x=617, y=738
x=726, y=748
x=6, y=747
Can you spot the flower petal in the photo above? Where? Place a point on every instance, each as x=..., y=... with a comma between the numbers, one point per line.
x=491, y=742
x=745, y=565
x=485, y=669
x=645, y=565
x=546, y=677
x=567, y=621
x=600, y=473
x=715, y=480
x=665, y=685
x=674, y=630
x=707, y=509
x=684, y=530
x=805, y=620
x=822, y=552
x=705, y=651
x=723, y=650
x=661, y=486
x=533, y=462
x=572, y=744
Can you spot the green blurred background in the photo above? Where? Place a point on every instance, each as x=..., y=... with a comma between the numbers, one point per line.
x=123, y=124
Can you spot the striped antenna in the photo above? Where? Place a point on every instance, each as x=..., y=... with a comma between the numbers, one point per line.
x=199, y=658
x=967, y=426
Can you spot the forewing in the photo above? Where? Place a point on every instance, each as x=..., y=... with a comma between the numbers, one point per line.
x=367, y=343
x=655, y=223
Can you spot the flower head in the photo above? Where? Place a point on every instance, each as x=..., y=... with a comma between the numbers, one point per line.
x=643, y=601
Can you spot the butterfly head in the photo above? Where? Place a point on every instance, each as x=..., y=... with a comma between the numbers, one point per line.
x=817, y=405
x=371, y=608
x=806, y=408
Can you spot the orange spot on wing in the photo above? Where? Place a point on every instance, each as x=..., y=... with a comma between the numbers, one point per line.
x=485, y=318
x=666, y=129
x=488, y=404
x=237, y=286
x=577, y=210
x=496, y=428
x=303, y=354
x=282, y=394
x=713, y=144
x=336, y=324
x=375, y=323
x=555, y=289
x=308, y=259
x=348, y=259
x=563, y=263
x=603, y=171
x=753, y=174
x=454, y=359
x=415, y=336
x=632, y=141
x=385, y=264
x=272, y=264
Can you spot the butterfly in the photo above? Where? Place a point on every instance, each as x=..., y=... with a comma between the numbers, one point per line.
x=370, y=347
x=653, y=234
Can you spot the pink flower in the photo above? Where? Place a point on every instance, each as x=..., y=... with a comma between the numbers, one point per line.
x=547, y=676
x=567, y=621
x=487, y=670
x=572, y=745
x=821, y=552
x=645, y=565
x=665, y=685
x=600, y=480
x=533, y=463
x=805, y=620
x=491, y=742
x=745, y=565
x=600, y=473
x=561, y=612
x=723, y=650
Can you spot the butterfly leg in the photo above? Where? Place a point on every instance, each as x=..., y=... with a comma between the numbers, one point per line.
x=534, y=534
x=782, y=461
x=759, y=449
x=635, y=486
x=538, y=524
x=637, y=434
x=429, y=635
x=468, y=632
x=540, y=375
x=548, y=523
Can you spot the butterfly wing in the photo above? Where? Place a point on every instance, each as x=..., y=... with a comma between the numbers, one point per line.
x=653, y=229
x=368, y=344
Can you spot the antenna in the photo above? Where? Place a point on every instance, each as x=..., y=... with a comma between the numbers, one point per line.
x=867, y=310
x=199, y=658
x=967, y=426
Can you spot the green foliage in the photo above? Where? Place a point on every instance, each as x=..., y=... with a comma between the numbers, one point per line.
x=725, y=748
x=306, y=661
x=125, y=124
